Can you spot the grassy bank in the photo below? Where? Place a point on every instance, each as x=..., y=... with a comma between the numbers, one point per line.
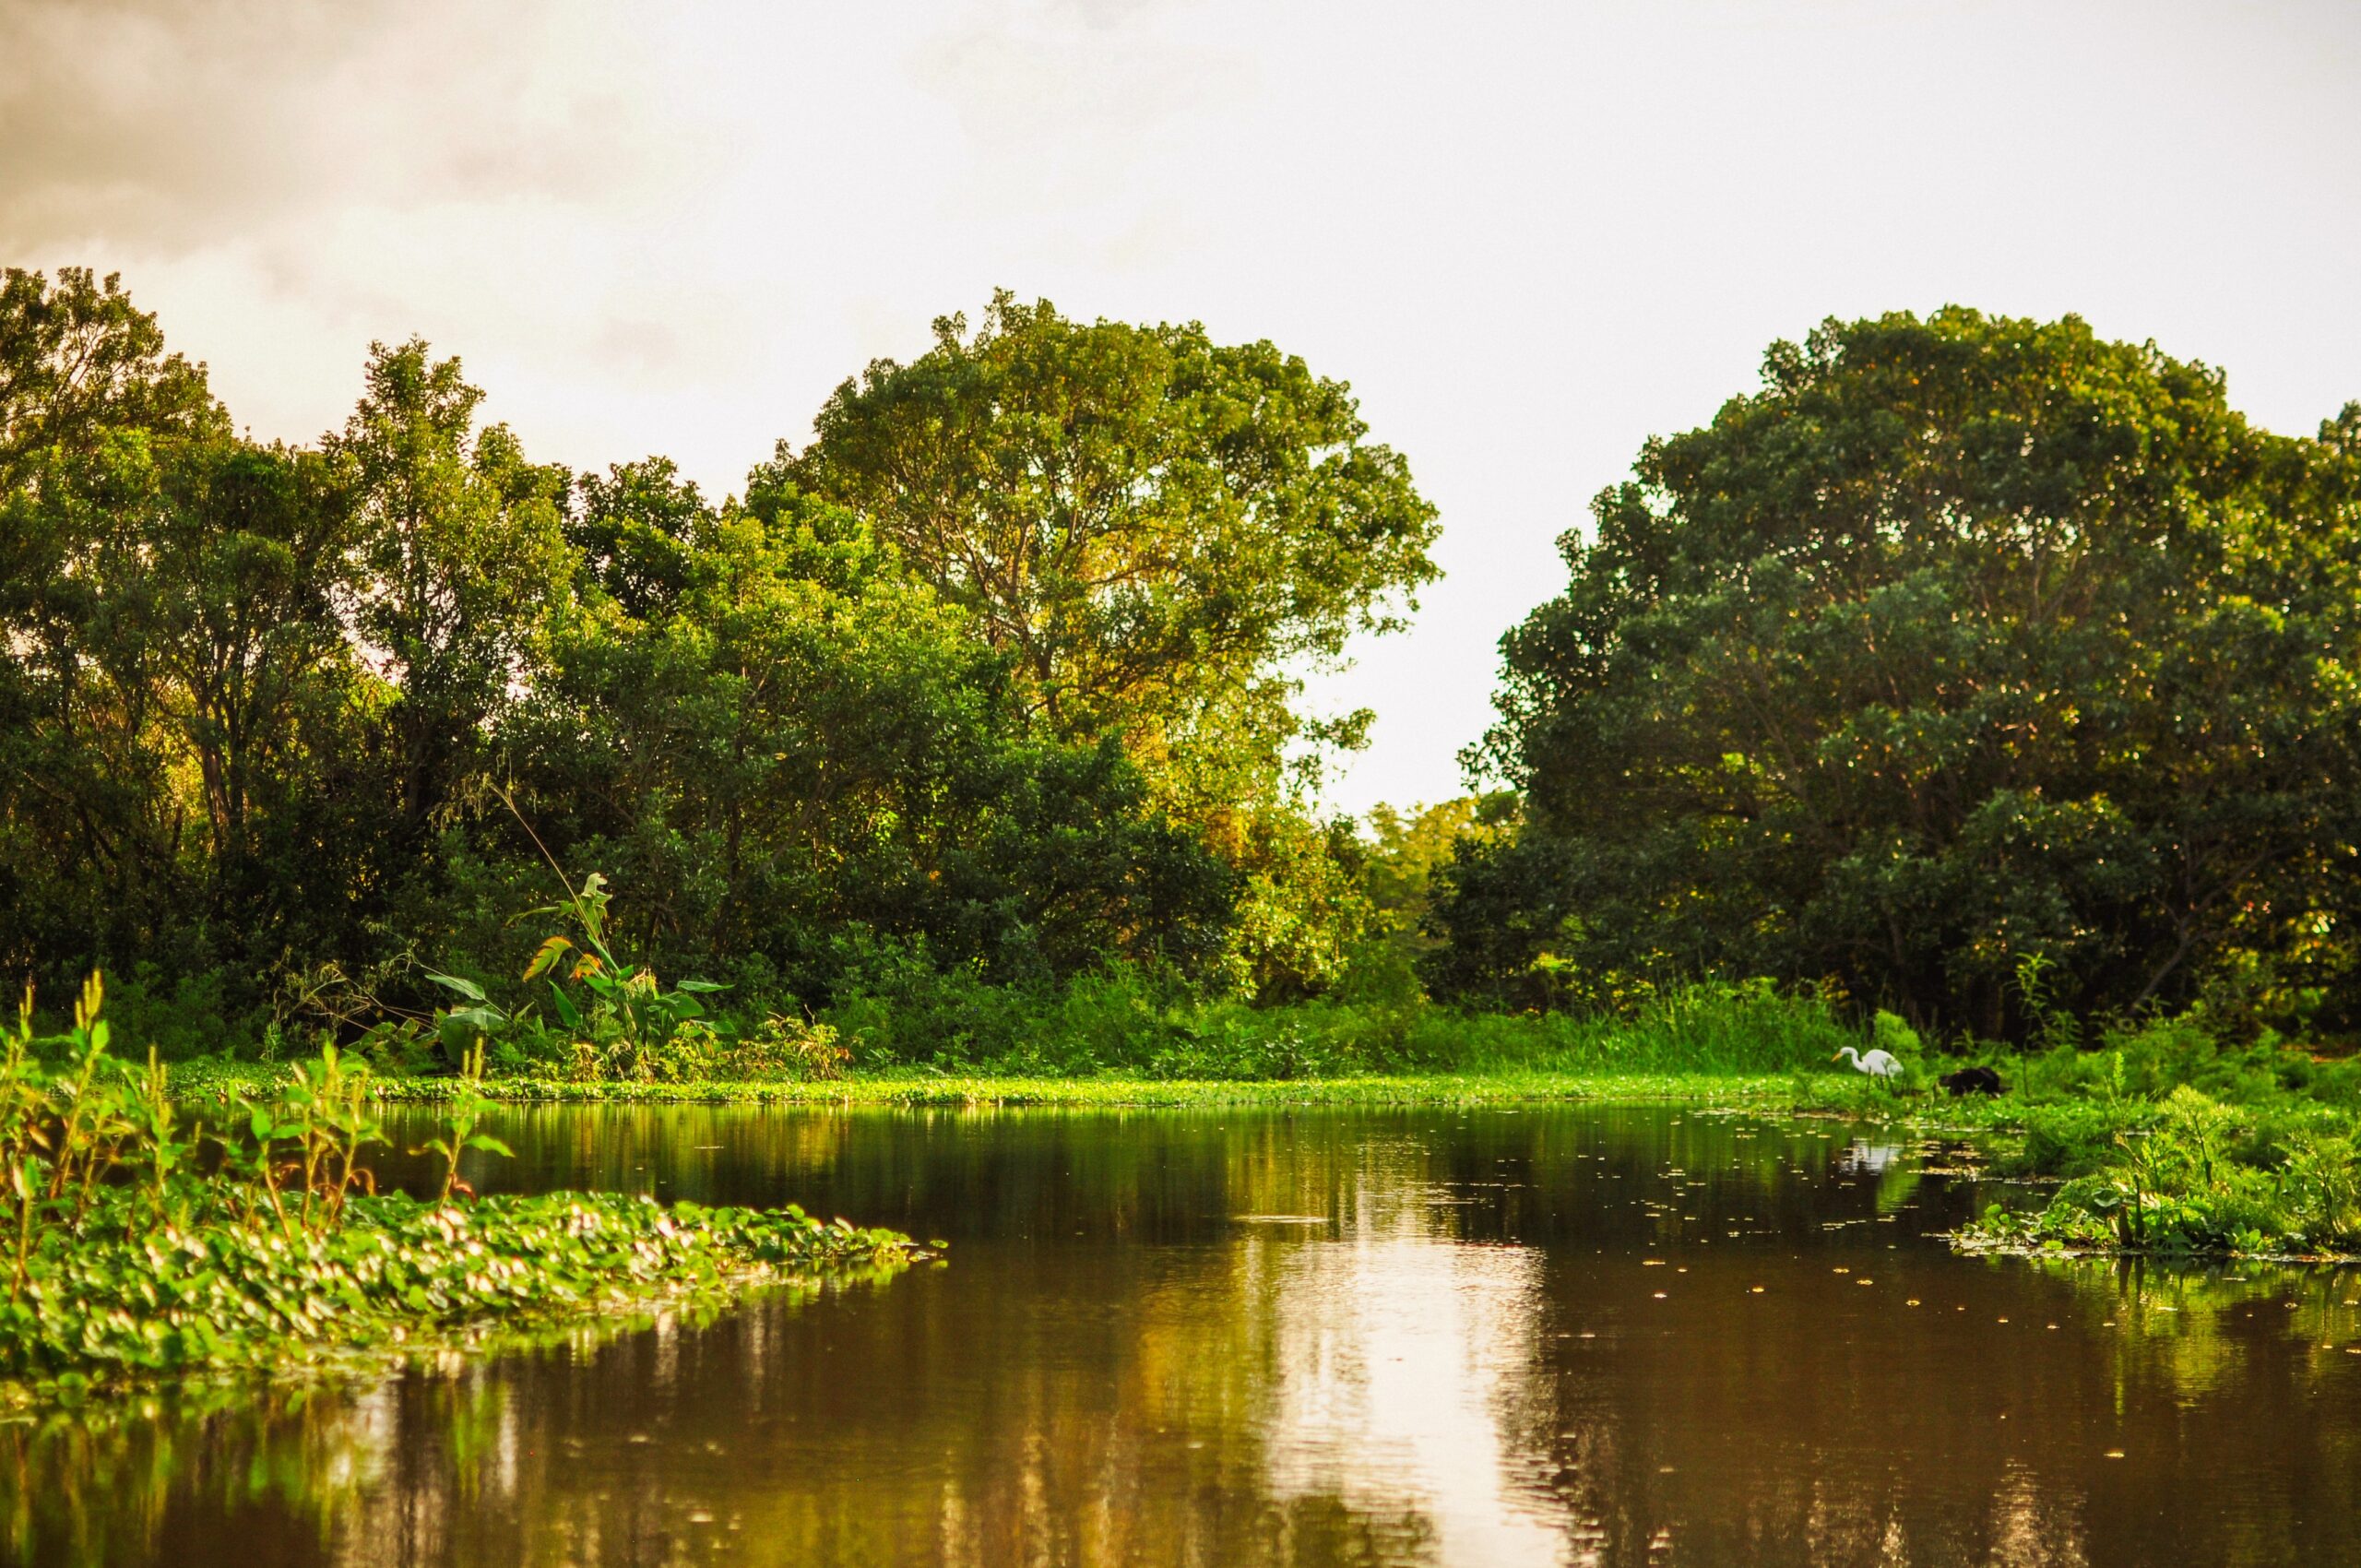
x=908, y=1090
x=1115, y=1029
x=1110, y=1046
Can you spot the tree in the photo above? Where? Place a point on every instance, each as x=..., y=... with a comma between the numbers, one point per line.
x=79, y=361
x=92, y=412
x=1407, y=849
x=232, y=605
x=458, y=548
x=1135, y=514
x=773, y=737
x=1966, y=640
x=1158, y=532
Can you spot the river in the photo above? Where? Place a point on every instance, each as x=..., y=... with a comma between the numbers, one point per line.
x=1479, y=1339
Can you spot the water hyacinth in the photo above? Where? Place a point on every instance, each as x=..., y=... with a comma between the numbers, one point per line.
x=2193, y=1176
x=138, y=1250
x=213, y=1290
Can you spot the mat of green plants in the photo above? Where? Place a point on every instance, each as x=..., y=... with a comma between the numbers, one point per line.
x=142, y=1245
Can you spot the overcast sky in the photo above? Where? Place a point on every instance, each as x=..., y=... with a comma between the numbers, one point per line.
x=1530, y=235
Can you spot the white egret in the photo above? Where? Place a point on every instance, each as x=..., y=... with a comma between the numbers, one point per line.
x=1878, y=1064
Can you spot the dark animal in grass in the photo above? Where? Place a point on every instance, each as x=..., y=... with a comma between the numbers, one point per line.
x=1972, y=1080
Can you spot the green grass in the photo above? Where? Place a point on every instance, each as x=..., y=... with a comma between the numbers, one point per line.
x=906, y=1088
x=1116, y=1025
x=1107, y=1045
x=1108, y=1042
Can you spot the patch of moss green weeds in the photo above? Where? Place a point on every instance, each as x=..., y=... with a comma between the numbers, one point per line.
x=1767, y=1091
x=2191, y=1176
x=120, y=1300
x=137, y=1247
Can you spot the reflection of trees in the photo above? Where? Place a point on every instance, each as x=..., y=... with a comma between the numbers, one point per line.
x=1224, y=1392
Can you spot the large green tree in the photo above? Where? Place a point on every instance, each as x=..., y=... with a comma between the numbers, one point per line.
x=1160, y=532
x=1966, y=642
x=94, y=414
x=458, y=551
x=1136, y=514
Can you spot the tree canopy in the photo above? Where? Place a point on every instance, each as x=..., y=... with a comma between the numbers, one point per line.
x=1966, y=643
x=1136, y=514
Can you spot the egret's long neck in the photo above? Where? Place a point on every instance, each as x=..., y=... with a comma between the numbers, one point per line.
x=1855, y=1054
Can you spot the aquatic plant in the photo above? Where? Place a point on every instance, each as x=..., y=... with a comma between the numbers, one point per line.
x=466, y=1108
x=626, y=1023
x=2193, y=1175
x=120, y=1299
x=139, y=1245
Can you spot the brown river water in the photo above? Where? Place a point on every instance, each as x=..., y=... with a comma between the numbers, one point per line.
x=1479, y=1339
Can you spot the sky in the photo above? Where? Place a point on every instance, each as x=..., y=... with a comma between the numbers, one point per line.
x=1530, y=235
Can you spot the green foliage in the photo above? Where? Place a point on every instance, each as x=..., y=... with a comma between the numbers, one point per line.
x=785, y=1047
x=139, y=1245
x=798, y=746
x=1136, y=514
x=2168, y=1138
x=260, y=709
x=626, y=1025
x=1127, y=1021
x=79, y=361
x=459, y=540
x=1407, y=849
x=2195, y=1175
x=467, y=1106
x=1156, y=532
x=126, y=1301
x=1966, y=644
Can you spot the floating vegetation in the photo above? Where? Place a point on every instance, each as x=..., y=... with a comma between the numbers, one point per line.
x=139, y=1249
x=2195, y=1176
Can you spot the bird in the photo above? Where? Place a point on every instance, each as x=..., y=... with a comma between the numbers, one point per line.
x=1878, y=1064
x=1972, y=1080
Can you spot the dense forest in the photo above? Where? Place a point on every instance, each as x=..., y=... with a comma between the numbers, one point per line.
x=1980, y=670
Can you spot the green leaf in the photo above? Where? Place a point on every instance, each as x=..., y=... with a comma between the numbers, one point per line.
x=460, y=984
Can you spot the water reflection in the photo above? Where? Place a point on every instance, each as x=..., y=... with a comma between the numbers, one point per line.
x=1400, y=1367
x=1574, y=1336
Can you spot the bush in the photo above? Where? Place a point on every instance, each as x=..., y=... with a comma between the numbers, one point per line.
x=785, y=1047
